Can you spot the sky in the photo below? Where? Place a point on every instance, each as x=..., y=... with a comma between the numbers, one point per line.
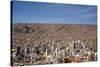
x=39, y=12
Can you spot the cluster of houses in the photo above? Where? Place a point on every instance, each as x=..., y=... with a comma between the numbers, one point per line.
x=52, y=52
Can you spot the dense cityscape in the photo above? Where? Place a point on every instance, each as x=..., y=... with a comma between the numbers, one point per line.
x=52, y=33
x=34, y=44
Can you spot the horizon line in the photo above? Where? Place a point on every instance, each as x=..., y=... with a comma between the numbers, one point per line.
x=55, y=23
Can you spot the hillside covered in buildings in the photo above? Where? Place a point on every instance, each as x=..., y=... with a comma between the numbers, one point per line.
x=54, y=32
x=53, y=40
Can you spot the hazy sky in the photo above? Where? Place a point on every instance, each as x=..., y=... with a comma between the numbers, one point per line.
x=38, y=12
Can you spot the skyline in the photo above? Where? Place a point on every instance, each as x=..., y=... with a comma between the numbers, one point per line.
x=41, y=12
